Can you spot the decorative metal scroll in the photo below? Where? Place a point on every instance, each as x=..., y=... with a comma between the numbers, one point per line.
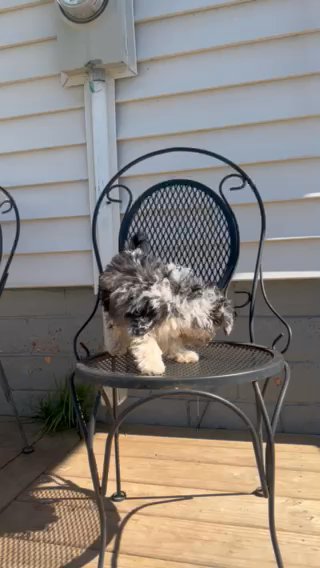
x=258, y=272
x=7, y=205
x=242, y=182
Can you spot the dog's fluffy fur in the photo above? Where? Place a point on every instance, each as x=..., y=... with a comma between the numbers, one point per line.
x=154, y=309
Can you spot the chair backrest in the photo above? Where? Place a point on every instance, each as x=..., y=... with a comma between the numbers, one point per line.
x=187, y=223
x=7, y=207
x=191, y=224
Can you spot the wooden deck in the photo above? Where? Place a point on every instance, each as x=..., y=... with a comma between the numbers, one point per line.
x=190, y=503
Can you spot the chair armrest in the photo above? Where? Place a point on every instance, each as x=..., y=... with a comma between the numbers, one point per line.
x=76, y=340
x=251, y=303
x=287, y=329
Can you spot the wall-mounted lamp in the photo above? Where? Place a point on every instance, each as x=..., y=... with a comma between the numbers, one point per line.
x=82, y=11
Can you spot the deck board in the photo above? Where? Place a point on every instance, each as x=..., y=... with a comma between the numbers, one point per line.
x=178, y=450
x=189, y=504
x=239, y=509
x=199, y=475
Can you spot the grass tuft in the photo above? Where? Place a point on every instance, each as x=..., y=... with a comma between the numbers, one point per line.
x=56, y=410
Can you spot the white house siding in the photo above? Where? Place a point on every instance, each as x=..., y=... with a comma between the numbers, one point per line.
x=241, y=78
x=238, y=77
x=42, y=151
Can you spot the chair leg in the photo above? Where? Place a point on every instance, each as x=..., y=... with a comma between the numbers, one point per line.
x=260, y=492
x=27, y=448
x=259, y=414
x=119, y=495
x=267, y=473
x=280, y=401
x=270, y=471
x=88, y=435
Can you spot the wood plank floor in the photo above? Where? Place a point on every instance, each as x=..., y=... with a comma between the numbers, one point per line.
x=190, y=502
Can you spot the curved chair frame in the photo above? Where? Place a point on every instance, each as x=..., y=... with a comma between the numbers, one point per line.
x=235, y=181
x=8, y=205
x=243, y=181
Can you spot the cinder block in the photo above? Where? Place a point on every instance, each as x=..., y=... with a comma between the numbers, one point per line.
x=46, y=336
x=37, y=373
x=219, y=416
x=79, y=301
x=27, y=402
x=37, y=329
x=301, y=419
x=47, y=302
x=32, y=303
x=290, y=298
x=305, y=383
x=305, y=341
x=246, y=393
x=304, y=386
x=14, y=334
x=92, y=336
x=164, y=412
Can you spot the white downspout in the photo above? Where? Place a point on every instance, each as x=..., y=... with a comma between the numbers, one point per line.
x=100, y=116
x=100, y=119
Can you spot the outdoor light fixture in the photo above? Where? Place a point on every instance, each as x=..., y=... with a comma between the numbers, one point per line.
x=82, y=11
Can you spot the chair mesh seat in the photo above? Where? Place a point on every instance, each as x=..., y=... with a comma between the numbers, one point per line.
x=220, y=363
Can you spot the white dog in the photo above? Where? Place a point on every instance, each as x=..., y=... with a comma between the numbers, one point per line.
x=155, y=309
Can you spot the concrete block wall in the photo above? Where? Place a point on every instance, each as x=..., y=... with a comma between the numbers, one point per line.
x=37, y=328
x=36, y=333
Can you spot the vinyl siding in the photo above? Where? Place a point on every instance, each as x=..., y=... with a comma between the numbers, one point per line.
x=241, y=79
x=42, y=151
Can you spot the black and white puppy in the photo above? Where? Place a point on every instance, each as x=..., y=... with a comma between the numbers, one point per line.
x=154, y=309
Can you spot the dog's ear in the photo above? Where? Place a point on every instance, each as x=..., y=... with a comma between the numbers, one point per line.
x=104, y=296
x=144, y=317
x=222, y=315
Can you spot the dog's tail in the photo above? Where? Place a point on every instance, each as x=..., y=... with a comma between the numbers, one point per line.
x=139, y=241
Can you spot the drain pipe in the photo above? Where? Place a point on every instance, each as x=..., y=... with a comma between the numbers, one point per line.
x=100, y=118
x=100, y=121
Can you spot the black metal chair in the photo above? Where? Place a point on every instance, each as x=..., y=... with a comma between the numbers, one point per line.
x=189, y=223
x=7, y=206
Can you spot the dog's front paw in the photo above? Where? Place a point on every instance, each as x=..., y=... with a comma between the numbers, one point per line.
x=152, y=367
x=186, y=357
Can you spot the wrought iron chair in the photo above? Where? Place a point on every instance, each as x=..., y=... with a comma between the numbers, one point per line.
x=189, y=223
x=7, y=206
